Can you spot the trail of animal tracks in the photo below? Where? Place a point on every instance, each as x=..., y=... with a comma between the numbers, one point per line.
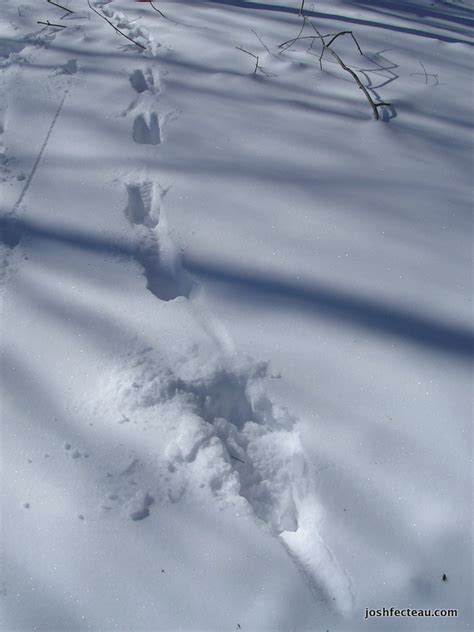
x=235, y=315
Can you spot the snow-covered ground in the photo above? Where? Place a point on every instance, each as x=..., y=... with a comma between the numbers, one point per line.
x=236, y=315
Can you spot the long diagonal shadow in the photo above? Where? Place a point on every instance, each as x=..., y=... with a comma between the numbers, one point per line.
x=247, y=4
x=339, y=306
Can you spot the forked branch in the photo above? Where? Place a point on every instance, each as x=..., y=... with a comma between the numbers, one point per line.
x=326, y=46
x=256, y=57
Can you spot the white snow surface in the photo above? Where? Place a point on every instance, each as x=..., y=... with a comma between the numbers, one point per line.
x=236, y=316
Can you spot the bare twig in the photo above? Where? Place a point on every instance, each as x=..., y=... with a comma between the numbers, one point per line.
x=60, y=6
x=426, y=74
x=262, y=42
x=257, y=66
x=345, y=33
x=116, y=29
x=48, y=23
x=236, y=458
x=290, y=42
x=157, y=10
x=302, y=7
x=372, y=104
x=297, y=37
x=326, y=46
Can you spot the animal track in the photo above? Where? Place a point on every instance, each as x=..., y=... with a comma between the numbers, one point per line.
x=143, y=510
x=142, y=82
x=69, y=68
x=74, y=453
x=141, y=208
x=10, y=231
x=155, y=251
x=147, y=133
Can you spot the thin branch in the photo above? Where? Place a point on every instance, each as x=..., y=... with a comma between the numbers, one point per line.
x=236, y=458
x=326, y=46
x=157, y=10
x=261, y=42
x=346, y=33
x=60, y=6
x=372, y=104
x=116, y=29
x=426, y=74
x=306, y=37
x=252, y=55
x=302, y=7
x=48, y=23
x=297, y=37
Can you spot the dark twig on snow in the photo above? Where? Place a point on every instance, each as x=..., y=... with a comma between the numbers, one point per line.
x=256, y=57
x=157, y=10
x=163, y=15
x=60, y=6
x=116, y=29
x=291, y=41
x=48, y=23
x=345, y=33
x=426, y=74
x=236, y=458
x=372, y=103
x=262, y=42
x=302, y=7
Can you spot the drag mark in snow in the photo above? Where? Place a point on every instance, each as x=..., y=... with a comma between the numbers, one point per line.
x=10, y=231
x=40, y=155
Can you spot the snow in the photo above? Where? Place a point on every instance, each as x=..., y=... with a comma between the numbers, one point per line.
x=236, y=316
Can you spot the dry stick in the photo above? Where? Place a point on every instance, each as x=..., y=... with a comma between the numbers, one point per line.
x=373, y=105
x=261, y=41
x=326, y=46
x=345, y=33
x=297, y=37
x=290, y=42
x=236, y=458
x=302, y=7
x=426, y=75
x=157, y=10
x=48, y=23
x=60, y=6
x=116, y=29
x=163, y=15
x=254, y=56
